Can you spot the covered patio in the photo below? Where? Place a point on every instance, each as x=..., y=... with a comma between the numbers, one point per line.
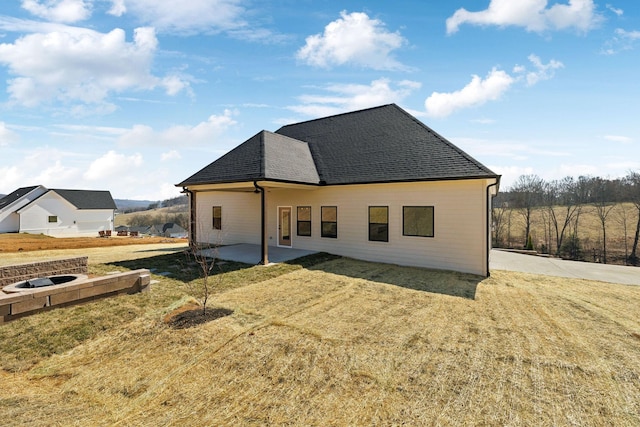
x=252, y=254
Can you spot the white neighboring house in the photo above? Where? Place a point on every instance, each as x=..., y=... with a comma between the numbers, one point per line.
x=57, y=212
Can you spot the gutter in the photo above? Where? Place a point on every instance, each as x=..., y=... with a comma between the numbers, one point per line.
x=193, y=241
x=263, y=225
x=489, y=217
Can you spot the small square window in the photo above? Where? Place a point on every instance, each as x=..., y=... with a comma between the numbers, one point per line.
x=53, y=218
x=417, y=221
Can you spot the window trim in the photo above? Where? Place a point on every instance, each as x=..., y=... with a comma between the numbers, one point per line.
x=386, y=239
x=433, y=220
x=299, y=221
x=322, y=223
x=213, y=215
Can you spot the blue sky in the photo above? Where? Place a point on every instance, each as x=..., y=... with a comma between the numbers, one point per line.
x=133, y=96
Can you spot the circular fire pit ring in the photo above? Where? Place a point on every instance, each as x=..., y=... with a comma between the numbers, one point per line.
x=44, y=282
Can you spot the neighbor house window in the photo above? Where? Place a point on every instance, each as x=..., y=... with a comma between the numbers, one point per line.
x=53, y=218
x=417, y=221
x=329, y=221
x=217, y=217
x=304, y=220
x=379, y=223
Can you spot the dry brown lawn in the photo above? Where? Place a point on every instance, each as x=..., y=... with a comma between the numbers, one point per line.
x=21, y=248
x=344, y=342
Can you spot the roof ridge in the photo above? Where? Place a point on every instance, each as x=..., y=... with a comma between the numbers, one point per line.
x=336, y=115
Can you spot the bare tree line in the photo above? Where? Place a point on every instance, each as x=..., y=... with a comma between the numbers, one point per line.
x=561, y=203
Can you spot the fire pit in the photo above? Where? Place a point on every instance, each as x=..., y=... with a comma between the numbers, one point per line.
x=42, y=282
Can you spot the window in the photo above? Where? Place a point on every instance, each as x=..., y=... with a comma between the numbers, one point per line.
x=217, y=217
x=304, y=220
x=379, y=223
x=329, y=221
x=417, y=221
x=53, y=218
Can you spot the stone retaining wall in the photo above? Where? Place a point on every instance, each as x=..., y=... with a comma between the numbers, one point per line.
x=17, y=273
x=19, y=304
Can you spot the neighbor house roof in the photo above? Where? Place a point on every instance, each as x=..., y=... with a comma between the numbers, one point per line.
x=381, y=144
x=88, y=199
x=81, y=199
x=16, y=195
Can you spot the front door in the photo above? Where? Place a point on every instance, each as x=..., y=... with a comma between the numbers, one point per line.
x=284, y=226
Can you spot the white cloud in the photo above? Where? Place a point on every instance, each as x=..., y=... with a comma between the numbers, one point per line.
x=81, y=66
x=542, y=71
x=202, y=133
x=492, y=87
x=6, y=135
x=170, y=155
x=112, y=165
x=187, y=17
x=533, y=15
x=353, y=39
x=622, y=40
x=615, y=10
x=475, y=93
x=350, y=97
x=619, y=138
x=42, y=165
x=66, y=11
x=118, y=8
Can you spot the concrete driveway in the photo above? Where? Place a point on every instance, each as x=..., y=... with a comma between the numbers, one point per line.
x=503, y=260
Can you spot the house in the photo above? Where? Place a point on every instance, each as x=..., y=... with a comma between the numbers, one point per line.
x=375, y=184
x=56, y=212
x=169, y=229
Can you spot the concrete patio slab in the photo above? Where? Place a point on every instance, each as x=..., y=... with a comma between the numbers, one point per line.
x=252, y=254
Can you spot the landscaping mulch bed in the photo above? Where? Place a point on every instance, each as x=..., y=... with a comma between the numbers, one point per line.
x=195, y=317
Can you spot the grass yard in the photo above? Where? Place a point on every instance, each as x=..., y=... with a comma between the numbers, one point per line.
x=22, y=242
x=332, y=341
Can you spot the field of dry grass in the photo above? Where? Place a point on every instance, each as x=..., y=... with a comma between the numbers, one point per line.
x=589, y=231
x=340, y=342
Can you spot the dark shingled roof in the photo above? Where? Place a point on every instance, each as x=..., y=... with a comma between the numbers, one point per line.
x=264, y=157
x=10, y=198
x=88, y=199
x=381, y=144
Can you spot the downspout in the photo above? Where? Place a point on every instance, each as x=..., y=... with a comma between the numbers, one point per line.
x=263, y=221
x=489, y=218
x=193, y=241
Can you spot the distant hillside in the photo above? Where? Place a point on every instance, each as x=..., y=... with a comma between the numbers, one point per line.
x=127, y=204
x=177, y=213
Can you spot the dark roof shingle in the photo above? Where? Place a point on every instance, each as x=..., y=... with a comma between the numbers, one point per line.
x=381, y=144
x=88, y=199
x=12, y=197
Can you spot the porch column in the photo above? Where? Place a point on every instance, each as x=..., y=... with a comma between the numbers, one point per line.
x=263, y=222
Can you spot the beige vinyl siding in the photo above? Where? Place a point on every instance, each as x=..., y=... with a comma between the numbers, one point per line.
x=459, y=241
x=240, y=217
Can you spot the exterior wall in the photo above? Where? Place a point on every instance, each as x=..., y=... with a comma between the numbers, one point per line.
x=71, y=221
x=9, y=219
x=460, y=221
x=240, y=217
